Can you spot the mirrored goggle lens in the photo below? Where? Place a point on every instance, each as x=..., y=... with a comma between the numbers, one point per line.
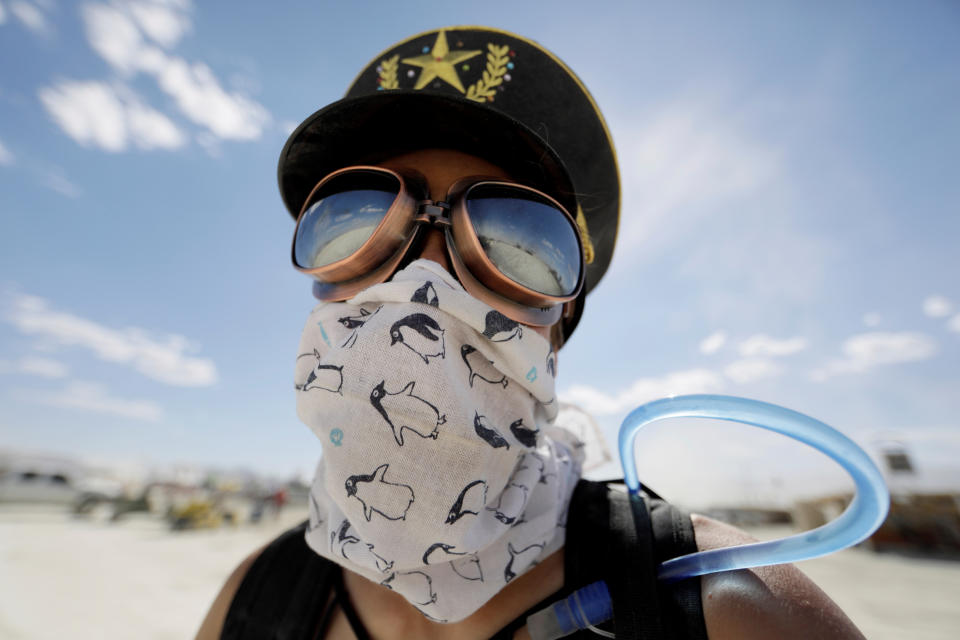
x=526, y=237
x=342, y=215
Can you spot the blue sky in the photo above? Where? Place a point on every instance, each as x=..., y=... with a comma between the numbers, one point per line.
x=789, y=227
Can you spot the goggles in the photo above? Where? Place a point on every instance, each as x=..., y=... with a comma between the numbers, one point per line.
x=512, y=247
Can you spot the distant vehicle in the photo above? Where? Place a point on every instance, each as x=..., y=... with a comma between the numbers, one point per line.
x=35, y=479
x=38, y=486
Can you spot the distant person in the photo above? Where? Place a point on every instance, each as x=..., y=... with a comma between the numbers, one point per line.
x=454, y=211
x=278, y=498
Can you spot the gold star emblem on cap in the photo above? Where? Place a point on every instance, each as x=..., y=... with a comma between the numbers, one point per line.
x=440, y=63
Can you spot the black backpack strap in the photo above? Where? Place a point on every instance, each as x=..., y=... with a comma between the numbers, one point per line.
x=342, y=598
x=283, y=594
x=603, y=542
x=681, y=601
x=633, y=576
x=622, y=540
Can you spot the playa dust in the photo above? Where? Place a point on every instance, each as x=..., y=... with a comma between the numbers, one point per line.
x=92, y=579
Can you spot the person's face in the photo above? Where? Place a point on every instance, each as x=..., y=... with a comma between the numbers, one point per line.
x=441, y=168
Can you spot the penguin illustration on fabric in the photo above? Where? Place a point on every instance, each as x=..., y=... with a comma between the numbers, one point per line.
x=416, y=586
x=470, y=501
x=468, y=568
x=421, y=334
x=406, y=408
x=314, y=515
x=519, y=521
x=391, y=500
x=564, y=459
x=441, y=552
x=534, y=462
x=511, y=503
x=500, y=328
x=335, y=534
x=357, y=551
x=432, y=618
x=535, y=549
x=355, y=322
x=480, y=367
x=426, y=295
x=552, y=363
x=350, y=552
x=489, y=435
x=323, y=376
x=327, y=377
x=526, y=436
x=562, y=516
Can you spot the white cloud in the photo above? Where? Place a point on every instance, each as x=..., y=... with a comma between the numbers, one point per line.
x=210, y=143
x=872, y=319
x=6, y=158
x=161, y=21
x=161, y=358
x=31, y=17
x=887, y=348
x=109, y=117
x=867, y=350
x=88, y=112
x=289, y=126
x=937, y=306
x=713, y=343
x=201, y=98
x=32, y=365
x=3, y=14
x=55, y=180
x=114, y=34
x=88, y=396
x=643, y=390
x=44, y=367
x=752, y=369
x=954, y=323
x=762, y=345
x=150, y=129
x=683, y=157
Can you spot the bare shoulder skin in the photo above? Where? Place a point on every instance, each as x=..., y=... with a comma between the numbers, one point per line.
x=212, y=624
x=768, y=602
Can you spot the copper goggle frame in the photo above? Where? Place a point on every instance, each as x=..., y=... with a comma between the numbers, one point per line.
x=382, y=253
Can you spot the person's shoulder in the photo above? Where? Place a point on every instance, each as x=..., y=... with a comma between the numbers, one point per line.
x=276, y=572
x=212, y=625
x=777, y=601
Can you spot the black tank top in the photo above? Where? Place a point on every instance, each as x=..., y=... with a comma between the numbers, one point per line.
x=286, y=594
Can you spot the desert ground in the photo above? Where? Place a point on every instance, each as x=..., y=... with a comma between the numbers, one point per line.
x=91, y=579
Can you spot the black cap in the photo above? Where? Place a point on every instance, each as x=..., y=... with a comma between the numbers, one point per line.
x=485, y=91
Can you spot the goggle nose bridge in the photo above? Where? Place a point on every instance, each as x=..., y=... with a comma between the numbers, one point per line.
x=435, y=213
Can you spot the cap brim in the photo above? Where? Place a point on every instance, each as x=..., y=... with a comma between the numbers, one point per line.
x=375, y=127
x=367, y=129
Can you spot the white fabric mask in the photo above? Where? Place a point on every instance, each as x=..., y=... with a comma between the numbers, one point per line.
x=442, y=477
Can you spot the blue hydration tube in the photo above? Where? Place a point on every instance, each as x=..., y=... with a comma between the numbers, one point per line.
x=591, y=605
x=862, y=516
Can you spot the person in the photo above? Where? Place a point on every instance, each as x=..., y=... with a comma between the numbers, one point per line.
x=454, y=209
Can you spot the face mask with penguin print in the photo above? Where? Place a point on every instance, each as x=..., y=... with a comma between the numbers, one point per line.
x=442, y=475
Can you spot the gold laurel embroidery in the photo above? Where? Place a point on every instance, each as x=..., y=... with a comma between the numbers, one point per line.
x=388, y=73
x=588, y=251
x=485, y=89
